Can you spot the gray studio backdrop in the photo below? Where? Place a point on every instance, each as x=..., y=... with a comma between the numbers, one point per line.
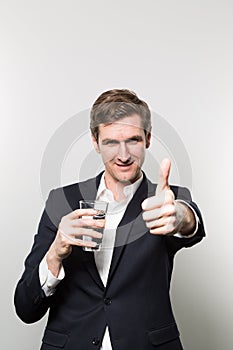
x=56, y=58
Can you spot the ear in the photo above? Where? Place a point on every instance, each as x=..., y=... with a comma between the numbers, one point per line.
x=95, y=143
x=148, y=139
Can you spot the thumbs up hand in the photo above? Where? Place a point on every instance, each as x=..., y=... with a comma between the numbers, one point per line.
x=162, y=214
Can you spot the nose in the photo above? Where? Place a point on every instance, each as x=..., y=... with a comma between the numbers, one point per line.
x=123, y=153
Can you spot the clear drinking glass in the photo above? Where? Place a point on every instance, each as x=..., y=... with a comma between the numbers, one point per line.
x=101, y=207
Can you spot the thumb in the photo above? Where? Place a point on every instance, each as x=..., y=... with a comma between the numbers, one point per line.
x=164, y=172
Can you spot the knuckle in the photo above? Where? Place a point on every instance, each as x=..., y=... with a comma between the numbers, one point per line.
x=60, y=231
x=100, y=223
x=169, y=228
x=144, y=216
x=169, y=196
x=169, y=210
x=81, y=222
x=62, y=220
x=77, y=222
x=63, y=239
x=148, y=224
x=171, y=193
x=169, y=207
x=173, y=208
x=78, y=242
x=77, y=212
x=172, y=220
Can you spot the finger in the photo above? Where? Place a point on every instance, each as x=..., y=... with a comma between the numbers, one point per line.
x=155, y=214
x=164, y=172
x=160, y=223
x=81, y=212
x=158, y=201
x=84, y=238
x=83, y=243
x=100, y=223
x=68, y=240
x=163, y=230
x=89, y=233
x=74, y=232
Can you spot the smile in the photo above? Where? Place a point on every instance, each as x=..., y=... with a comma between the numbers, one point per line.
x=124, y=165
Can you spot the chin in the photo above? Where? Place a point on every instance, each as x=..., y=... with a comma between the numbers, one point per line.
x=126, y=178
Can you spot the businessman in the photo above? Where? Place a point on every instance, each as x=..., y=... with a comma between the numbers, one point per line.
x=115, y=298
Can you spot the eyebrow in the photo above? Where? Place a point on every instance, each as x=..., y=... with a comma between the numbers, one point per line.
x=133, y=138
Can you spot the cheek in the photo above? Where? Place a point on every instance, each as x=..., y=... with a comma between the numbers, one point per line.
x=137, y=152
x=108, y=154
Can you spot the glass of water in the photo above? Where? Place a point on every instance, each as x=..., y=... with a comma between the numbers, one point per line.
x=101, y=208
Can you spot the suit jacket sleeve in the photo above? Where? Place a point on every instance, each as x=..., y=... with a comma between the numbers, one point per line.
x=176, y=243
x=30, y=301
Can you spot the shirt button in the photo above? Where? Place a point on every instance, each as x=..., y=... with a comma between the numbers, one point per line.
x=95, y=341
x=107, y=301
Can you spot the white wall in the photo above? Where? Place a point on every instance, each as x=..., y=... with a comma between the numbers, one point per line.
x=56, y=58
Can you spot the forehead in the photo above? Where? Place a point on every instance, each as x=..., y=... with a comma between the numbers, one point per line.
x=131, y=125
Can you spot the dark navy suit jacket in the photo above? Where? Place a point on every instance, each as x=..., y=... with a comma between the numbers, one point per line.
x=135, y=303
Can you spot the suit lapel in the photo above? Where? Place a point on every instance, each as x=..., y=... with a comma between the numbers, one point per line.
x=132, y=216
x=88, y=190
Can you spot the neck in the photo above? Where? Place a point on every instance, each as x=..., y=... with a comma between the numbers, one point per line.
x=117, y=187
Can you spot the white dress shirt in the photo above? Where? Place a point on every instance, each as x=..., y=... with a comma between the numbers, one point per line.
x=103, y=257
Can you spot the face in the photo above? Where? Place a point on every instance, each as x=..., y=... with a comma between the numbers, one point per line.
x=122, y=146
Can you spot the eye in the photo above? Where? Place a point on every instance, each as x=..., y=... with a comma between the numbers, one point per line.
x=133, y=141
x=111, y=142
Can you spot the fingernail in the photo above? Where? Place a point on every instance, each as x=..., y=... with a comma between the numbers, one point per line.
x=100, y=223
x=144, y=204
x=93, y=244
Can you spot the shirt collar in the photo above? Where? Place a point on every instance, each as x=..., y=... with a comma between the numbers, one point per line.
x=128, y=190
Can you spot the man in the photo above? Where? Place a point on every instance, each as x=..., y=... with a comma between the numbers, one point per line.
x=116, y=298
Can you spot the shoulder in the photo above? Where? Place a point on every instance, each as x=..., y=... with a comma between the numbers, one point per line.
x=63, y=200
x=74, y=188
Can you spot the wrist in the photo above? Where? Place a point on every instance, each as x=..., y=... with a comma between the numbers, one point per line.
x=186, y=219
x=54, y=262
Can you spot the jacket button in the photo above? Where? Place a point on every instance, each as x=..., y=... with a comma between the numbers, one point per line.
x=95, y=341
x=107, y=301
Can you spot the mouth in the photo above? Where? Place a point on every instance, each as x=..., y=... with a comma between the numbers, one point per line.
x=124, y=166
